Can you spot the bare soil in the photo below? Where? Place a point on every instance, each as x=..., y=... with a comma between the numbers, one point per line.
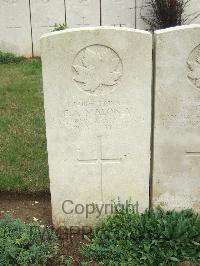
x=27, y=207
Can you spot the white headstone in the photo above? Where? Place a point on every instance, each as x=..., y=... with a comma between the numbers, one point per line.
x=44, y=15
x=82, y=13
x=142, y=10
x=15, y=28
x=97, y=90
x=193, y=11
x=177, y=118
x=120, y=13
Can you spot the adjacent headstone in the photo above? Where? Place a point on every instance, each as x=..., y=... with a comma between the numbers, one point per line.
x=120, y=13
x=97, y=91
x=177, y=118
x=82, y=13
x=193, y=12
x=15, y=27
x=44, y=15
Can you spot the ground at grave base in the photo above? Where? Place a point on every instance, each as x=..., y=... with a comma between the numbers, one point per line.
x=36, y=208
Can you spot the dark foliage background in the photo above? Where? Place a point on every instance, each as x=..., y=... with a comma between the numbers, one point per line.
x=163, y=14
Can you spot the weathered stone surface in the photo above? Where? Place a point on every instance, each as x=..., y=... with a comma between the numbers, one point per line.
x=97, y=88
x=193, y=12
x=15, y=28
x=44, y=15
x=82, y=13
x=120, y=13
x=177, y=118
x=141, y=10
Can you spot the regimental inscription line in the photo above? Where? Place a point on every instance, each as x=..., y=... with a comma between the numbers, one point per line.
x=14, y=27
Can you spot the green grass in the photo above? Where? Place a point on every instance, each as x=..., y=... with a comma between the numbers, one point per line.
x=23, y=152
x=9, y=58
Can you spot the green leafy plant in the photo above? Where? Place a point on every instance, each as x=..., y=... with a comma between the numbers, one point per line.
x=26, y=244
x=9, y=58
x=162, y=14
x=155, y=238
x=58, y=27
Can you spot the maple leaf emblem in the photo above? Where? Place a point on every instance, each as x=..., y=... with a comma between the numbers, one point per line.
x=194, y=73
x=98, y=66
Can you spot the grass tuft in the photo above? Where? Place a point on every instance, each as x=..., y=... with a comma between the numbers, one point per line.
x=23, y=151
x=9, y=58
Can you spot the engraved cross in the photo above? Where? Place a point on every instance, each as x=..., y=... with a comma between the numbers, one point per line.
x=83, y=24
x=100, y=160
x=118, y=24
x=193, y=153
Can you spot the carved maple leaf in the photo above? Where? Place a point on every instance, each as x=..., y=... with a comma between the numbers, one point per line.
x=194, y=73
x=98, y=68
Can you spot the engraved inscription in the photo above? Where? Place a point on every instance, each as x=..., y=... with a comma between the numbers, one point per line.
x=165, y=200
x=97, y=68
x=86, y=115
x=84, y=1
x=10, y=1
x=188, y=115
x=193, y=64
